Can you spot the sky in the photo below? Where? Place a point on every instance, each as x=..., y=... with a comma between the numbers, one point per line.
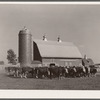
x=76, y=23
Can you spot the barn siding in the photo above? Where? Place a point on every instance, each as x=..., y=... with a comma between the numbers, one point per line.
x=62, y=62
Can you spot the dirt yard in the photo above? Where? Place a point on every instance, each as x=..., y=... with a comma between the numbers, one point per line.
x=91, y=83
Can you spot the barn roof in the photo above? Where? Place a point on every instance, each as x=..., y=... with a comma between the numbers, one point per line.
x=57, y=50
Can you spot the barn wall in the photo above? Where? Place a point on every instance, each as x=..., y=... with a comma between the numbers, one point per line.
x=36, y=53
x=62, y=62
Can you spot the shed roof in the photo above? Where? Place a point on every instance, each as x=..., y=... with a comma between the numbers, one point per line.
x=58, y=49
x=88, y=61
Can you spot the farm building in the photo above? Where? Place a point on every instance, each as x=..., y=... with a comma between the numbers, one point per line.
x=44, y=52
x=60, y=53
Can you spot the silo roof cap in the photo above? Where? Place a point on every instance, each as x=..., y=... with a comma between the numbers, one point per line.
x=24, y=31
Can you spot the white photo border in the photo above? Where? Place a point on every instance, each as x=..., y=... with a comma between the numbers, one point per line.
x=49, y=94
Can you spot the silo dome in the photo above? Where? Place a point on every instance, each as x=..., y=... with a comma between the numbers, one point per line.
x=24, y=31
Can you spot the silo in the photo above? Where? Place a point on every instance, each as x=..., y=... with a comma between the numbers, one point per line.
x=25, y=47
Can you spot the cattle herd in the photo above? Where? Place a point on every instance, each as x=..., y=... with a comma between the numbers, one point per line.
x=51, y=72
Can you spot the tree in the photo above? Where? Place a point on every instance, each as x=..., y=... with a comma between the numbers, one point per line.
x=11, y=57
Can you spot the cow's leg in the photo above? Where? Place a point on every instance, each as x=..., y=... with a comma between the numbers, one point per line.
x=84, y=74
x=36, y=76
x=32, y=74
x=14, y=75
x=25, y=75
x=59, y=77
x=95, y=75
x=21, y=75
x=88, y=74
x=42, y=76
x=17, y=73
x=50, y=75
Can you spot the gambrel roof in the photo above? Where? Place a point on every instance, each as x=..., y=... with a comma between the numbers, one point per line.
x=57, y=49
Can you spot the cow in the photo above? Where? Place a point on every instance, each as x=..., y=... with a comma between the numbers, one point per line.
x=10, y=70
x=22, y=72
x=25, y=71
x=66, y=71
x=7, y=70
x=18, y=72
x=90, y=70
x=32, y=72
x=93, y=71
x=71, y=72
x=56, y=71
x=42, y=72
x=80, y=71
x=62, y=71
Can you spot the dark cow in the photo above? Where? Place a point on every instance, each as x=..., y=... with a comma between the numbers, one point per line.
x=62, y=71
x=93, y=71
x=32, y=72
x=80, y=71
x=35, y=73
x=41, y=72
x=25, y=72
x=71, y=72
x=56, y=71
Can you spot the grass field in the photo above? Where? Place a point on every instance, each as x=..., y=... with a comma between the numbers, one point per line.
x=91, y=83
